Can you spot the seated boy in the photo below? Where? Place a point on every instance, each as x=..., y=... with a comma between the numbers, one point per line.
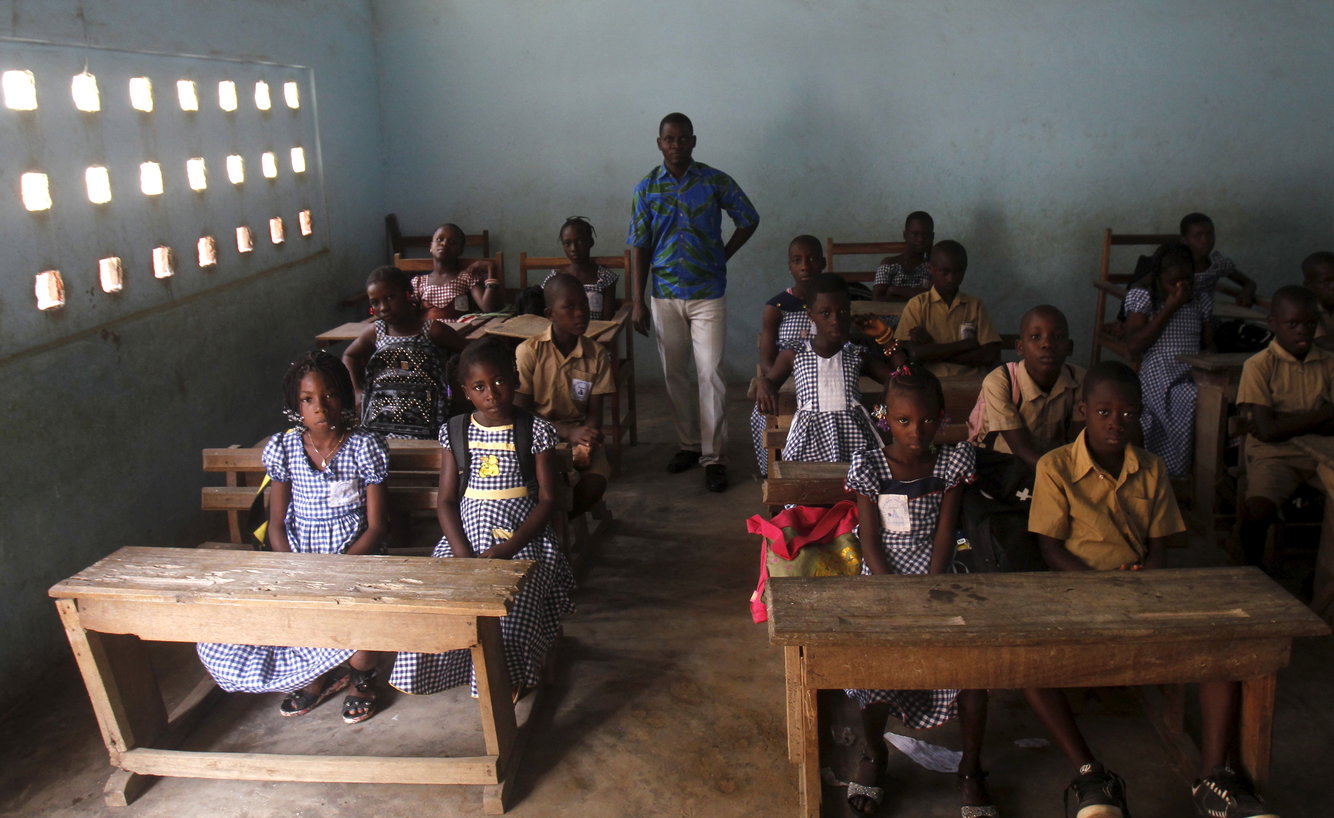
x=1286, y=390
x=1318, y=276
x=1101, y=504
x=949, y=331
x=1046, y=414
x=1197, y=233
x=562, y=378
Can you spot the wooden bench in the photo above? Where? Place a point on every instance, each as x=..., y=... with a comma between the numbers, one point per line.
x=399, y=244
x=335, y=601
x=879, y=249
x=1080, y=629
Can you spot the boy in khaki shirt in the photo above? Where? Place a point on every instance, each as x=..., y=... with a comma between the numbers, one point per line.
x=950, y=332
x=1102, y=504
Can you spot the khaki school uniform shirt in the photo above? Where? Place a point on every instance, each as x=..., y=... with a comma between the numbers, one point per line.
x=561, y=385
x=1104, y=519
x=944, y=322
x=1273, y=377
x=1050, y=417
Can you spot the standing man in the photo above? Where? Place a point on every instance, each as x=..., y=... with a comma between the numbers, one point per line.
x=676, y=233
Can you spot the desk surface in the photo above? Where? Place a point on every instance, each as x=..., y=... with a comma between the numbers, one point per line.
x=1228, y=309
x=352, y=330
x=475, y=587
x=1216, y=361
x=526, y=326
x=1082, y=607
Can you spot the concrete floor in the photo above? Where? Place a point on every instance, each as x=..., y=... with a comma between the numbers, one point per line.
x=669, y=703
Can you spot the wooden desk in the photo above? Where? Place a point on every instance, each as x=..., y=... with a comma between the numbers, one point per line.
x=981, y=631
x=1230, y=309
x=352, y=330
x=1322, y=602
x=805, y=484
x=1215, y=375
x=335, y=601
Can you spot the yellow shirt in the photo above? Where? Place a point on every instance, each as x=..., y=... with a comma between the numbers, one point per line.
x=944, y=322
x=1273, y=377
x=561, y=385
x=1049, y=417
x=1104, y=519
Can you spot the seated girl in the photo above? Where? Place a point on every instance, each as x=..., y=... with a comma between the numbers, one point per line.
x=450, y=289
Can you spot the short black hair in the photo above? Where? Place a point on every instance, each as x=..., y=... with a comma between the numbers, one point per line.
x=560, y=282
x=1044, y=309
x=390, y=275
x=454, y=226
x=1191, y=219
x=953, y=248
x=915, y=378
x=1317, y=258
x=578, y=221
x=831, y=283
x=1172, y=254
x=677, y=118
x=1114, y=372
x=919, y=216
x=330, y=368
x=807, y=238
x=1293, y=294
x=492, y=351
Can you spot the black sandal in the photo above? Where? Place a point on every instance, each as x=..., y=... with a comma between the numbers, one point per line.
x=969, y=811
x=353, y=704
x=299, y=702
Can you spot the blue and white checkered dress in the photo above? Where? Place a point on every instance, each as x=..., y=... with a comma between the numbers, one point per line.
x=893, y=275
x=1206, y=282
x=313, y=527
x=1168, y=417
x=382, y=336
x=794, y=329
x=534, y=622
x=606, y=278
x=819, y=434
x=910, y=553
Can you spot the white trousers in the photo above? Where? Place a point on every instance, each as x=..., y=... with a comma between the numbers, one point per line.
x=694, y=328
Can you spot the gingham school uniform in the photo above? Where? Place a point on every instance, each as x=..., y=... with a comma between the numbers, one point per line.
x=533, y=622
x=606, y=279
x=909, y=552
x=455, y=294
x=327, y=513
x=382, y=336
x=893, y=275
x=794, y=328
x=1168, y=416
x=1206, y=281
x=830, y=424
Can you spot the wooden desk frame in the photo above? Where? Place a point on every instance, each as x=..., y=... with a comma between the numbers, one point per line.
x=106, y=629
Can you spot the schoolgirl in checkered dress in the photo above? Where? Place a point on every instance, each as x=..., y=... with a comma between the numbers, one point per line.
x=382, y=336
x=326, y=514
x=495, y=504
x=830, y=424
x=1168, y=414
x=893, y=275
x=794, y=328
x=577, y=238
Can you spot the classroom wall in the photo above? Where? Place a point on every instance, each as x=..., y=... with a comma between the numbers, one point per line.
x=1025, y=127
x=103, y=428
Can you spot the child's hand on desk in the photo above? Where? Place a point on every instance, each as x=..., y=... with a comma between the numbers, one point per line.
x=585, y=435
x=766, y=397
x=1131, y=566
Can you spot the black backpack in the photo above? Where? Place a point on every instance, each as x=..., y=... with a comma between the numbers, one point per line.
x=406, y=393
x=523, y=446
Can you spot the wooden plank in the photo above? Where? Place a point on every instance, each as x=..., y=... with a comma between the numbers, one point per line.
x=1168, y=605
x=1225, y=362
x=123, y=786
x=808, y=764
x=526, y=326
x=316, y=768
x=1256, y=736
x=404, y=455
x=795, y=709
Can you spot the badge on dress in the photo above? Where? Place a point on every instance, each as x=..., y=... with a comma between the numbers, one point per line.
x=342, y=493
x=461, y=303
x=894, y=513
x=580, y=389
x=595, y=302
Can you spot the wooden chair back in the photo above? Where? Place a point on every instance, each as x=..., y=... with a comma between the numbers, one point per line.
x=527, y=262
x=858, y=271
x=399, y=243
x=1113, y=284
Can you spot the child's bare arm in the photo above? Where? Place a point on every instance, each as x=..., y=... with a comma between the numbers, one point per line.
x=1143, y=330
x=766, y=388
x=537, y=519
x=1021, y=445
x=443, y=335
x=447, y=505
x=768, y=342
x=942, y=546
x=1157, y=556
x=1270, y=426
x=280, y=497
x=357, y=354
x=377, y=521
x=1058, y=557
x=928, y=351
x=984, y=355
x=1246, y=297
x=868, y=535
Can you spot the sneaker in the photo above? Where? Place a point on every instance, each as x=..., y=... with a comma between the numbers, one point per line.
x=1225, y=794
x=681, y=461
x=1099, y=793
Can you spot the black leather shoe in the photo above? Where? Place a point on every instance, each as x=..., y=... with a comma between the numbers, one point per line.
x=681, y=461
x=715, y=477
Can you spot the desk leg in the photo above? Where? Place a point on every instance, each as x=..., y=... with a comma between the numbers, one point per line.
x=495, y=698
x=1257, y=726
x=808, y=761
x=1210, y=437
x=792, y=674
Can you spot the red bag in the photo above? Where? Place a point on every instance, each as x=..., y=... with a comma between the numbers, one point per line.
x=834, y=550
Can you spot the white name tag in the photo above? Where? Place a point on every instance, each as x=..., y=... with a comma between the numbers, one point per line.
x=580, y=389
x=461, y=303
x=894, y=513
x=342, y=493
x=594, y=302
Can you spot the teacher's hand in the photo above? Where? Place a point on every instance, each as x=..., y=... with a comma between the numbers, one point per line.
x=639, y=317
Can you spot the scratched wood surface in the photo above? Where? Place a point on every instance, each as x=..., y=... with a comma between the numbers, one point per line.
x=526, y=326
x=475, y=587
x=1030, y=609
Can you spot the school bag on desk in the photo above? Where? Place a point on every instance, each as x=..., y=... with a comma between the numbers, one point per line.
x=805, y=541
x=406, y=393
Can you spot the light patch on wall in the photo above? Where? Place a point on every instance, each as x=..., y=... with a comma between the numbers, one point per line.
x=187, y=95
x=196, y=174
x=262, y=99
x=141, y=94
x=227, y=95
x=20, y=89
x=207, y=247
x=245, y=240
x=277, y=232
x=307, y=224
x=268, y=164
x=35, y=190
x=150, y=178
x=235, y=168
x=291, y=95
x=50, y=290
x=84, y=89
x=298, y=160
x=98, y=182
x=111, y=274
x=164, y=262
